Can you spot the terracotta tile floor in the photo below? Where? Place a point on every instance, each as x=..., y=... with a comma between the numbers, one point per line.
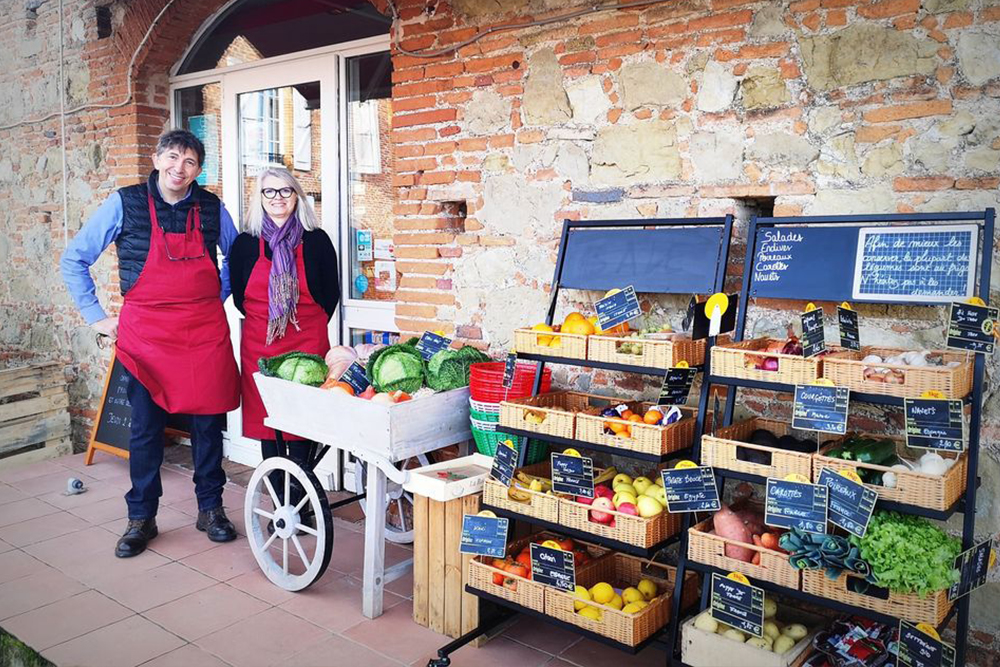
x=193, y=603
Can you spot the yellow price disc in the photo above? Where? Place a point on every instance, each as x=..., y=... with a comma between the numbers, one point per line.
x=932, y=393
x=796, y=477
x=509, y=443
x=845, y=305
x=552, y=544
x=611, y=292
x=488, y=514
x=810, y=307
x=822, y=382
x=993, y=559
x=976, y=301
x=682, y=364
x=685, y=464
x=439, y=332
x=851, y=474
x=718, y=300
x=928, y=630
x=571, y=452
x=736, y=576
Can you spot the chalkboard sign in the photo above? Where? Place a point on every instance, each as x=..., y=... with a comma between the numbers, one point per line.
x=847, y=321
x=796, y=505
x=430, y=343
x=934, y=424
x=618, y=308
x=355, y=376
x=808, y=263
x=821, y=408
x=738, y=605
x=573, y=475
x=918, y=649
x=113, y=424
x=972, y=328
x=851, y=504
x=553, y=567
x=930, y=264
x=813, y=335
x=691, y=490
x=484, y=536
x=676, y=386
x=702, y=323
x=972, y=566
x=509, y=368
x=504, y=464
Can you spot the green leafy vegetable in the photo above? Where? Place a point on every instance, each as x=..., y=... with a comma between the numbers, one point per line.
x=396, y=368
x=449, y=369
x=296, y=367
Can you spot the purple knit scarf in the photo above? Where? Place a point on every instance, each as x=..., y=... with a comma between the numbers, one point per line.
x=283, y=281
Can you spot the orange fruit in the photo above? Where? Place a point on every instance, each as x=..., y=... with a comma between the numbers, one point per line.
x=578, y=326
x=652, y=416
x=635, y=418
x=574, y=316
x=617, y=427
x=627, y=414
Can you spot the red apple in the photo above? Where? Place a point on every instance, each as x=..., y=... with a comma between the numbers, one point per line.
x=584, y=499
x=628, y=508
x=604, y=504
x=603, y=491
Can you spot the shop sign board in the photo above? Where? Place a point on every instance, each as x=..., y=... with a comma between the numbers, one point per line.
x=821, y=408
x=813, y=334
x=509, y=367
x=573, y=475
x=972, y=328
x=738, y=605
x=553, y=567
x=850, y=336
x=676, y=386
x=934, y=424
x=798, y=505
x=484, y=535
x=504, y=464
x=691, y=490
x=918, y=649
x=972, y=566
x=618, y=308
x=355, y=376
x=431, y=343
x=851, y=504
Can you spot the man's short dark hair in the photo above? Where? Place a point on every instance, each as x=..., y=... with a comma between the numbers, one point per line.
x=183, y=140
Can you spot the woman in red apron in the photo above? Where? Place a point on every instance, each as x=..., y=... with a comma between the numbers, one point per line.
x=284, y=277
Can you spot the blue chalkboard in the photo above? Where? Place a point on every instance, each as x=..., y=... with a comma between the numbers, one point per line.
x=934, y=424
x=851, y=503
x=356, y=377
x=484, y=536
x=919, y=649
x=796, y=505
x=553, y=567
x=573, y=475
x=738, y=605
x=618, y=308
x=808, y=263
x=691, y=490
x=504, y=464
x=821, y=408
x=674, y=260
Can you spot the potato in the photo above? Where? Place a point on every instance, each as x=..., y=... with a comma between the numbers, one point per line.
x=783, y=643
x=706, y=622
x=735, y=635
x=796, y=631
x=770, y=608
x=759, y=642
x=772, y=630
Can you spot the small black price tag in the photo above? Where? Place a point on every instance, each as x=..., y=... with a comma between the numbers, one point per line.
x=430, y=343
x=573, y=475
x=355, y=376
x=918, y=649
x=933, y=423
x=796, y=505
x=504, y=464
x=813, y=334
x=618, y=308
x=701, y=322
x=973, y=566
x=850, y=335
x=821, y=408
x=691, y=490
x=971, y=328
x=484, y=536
x=553, y=567
x=851, y=503
x=509, y=368
x=738, y=605
x=676, y=386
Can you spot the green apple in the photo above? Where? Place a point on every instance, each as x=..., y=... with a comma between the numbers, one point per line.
x=649, y=507
x=658, y=493
x=620, y=478
x=641, y=484
x=623, y=497
x=659, y=480
x=626, y=488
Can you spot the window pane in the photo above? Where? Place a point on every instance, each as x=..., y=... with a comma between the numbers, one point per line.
x=369, y=183
x=198, y=109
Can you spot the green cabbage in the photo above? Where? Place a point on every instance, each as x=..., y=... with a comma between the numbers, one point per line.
x=295, y=367
x=396, y=368
x=449, y=369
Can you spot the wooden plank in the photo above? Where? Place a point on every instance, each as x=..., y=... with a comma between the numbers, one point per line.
x=17, y=433
x=372, y=579
x=453, y=569
x=52, y=449
x=435, y=567
x=470, y=603
x=33, y=406
x=421, y=539
x=30, y=379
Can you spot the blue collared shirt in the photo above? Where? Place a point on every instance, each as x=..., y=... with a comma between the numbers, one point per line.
x=98, y=233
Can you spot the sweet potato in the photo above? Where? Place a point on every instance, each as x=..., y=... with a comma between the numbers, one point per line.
x=730, y=526
x=754, y=521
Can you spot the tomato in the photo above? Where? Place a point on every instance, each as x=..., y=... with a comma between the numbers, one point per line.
x=524, y=558
x=498, y=578
x=518, y=570
x=566, y=544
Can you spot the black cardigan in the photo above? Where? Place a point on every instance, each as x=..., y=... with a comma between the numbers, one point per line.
x=320, y=259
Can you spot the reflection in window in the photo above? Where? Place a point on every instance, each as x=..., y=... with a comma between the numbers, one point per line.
x=198, y=110
x=259, y=126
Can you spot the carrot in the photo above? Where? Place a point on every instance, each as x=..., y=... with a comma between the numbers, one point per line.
x=769, y=540
x=757, y=540
x=756, y=558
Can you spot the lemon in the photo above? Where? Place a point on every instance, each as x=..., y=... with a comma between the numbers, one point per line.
x=542, y=341
x=630, y=595
x=555, y=342
x=571, y=452
x=634, y=607
x=551, y=544
x=602, y=593
x=647, y=588
x=593, y=613
x=581, y=593
x=616, y=602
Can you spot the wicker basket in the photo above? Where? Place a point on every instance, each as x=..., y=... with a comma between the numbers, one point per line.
x=518, y=590
x=572, y=346
x=846, y=369
x=931, y=609
x=704, y=546
x=654, y=353
x=644, y=438
x=540, y=505
x=912, y=488
x=556, y=410
x=720, y=450
x=635, y=530
x=621, y=572
x=737, y=360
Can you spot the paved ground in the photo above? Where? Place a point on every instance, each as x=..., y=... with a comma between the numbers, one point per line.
x=191, y=603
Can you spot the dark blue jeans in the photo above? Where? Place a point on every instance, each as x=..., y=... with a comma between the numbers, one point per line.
x=146, y=455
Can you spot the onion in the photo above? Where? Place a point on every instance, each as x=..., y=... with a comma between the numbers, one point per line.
x=872, y=359
x=894, y=377
x=770, y=364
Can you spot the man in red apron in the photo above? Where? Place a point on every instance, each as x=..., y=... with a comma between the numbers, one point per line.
x=171, y=336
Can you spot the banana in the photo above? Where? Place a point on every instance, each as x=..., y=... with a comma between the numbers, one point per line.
x=531, y=481
x=609, y=473
x=518, y=496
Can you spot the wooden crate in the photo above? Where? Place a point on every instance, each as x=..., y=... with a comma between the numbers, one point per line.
x=931, y=609
x=653, y=353
x=846, y=369
x=720, y=450
x=704, y=546
x=572, y=346
x=34, y=414
x=737, y=360
x=707, y=649
x=440, y=570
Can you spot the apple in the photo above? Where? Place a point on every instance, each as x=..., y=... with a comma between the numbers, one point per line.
x=649, y=507
x=641, y=484
x=623, y=497
x=628, y=508
x=621, y=478
x=585, y=500
x=626, y=488
x=657, y=493
x=659, y=480
x=603, y=491
x=602, y=504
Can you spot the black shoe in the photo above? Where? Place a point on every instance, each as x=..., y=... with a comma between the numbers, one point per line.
x=137, y=535
x=217, y=525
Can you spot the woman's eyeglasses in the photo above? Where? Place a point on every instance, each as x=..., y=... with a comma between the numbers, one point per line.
x=271, y=193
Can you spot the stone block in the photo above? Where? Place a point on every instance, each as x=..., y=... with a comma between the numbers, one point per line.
x=824, y=119
x=512, y=206
x=717, y=156
x=978, y=56
x=784, y=149
x=942, y=6
x=961, y=123
x=588, y=100
x=487, y=113
x=598, y=196
x=637, y=153
x=846, y=202
x=716, y=89
x=839, y=157
x=983, y=159
x=650, y=83
x=884, y=161
x=763, y=88
x=767, y=22
x=933, y=154
x=545, y=101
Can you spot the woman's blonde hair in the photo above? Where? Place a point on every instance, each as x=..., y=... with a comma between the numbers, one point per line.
x=303, y=209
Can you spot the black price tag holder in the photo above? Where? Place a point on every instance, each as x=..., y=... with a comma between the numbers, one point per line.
x=553, y=567
x=850, y=333
x=691, y=489
x=933, y=423
x=676, y=386
x=484, y=535
x=701, y=324
x=916, y=648
x=821, y=408
x=972, y=328
x=618, y=308
x=355, y=376
x=796, y=505
x=430, y=343
x=509, y=368
x=738, y=605
x=504, y=463
x=813, y=333
x=851, y=503
x=973, y=565
x=573, y=475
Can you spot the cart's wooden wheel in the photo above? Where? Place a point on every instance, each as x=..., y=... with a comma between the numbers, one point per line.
x=398, y=503
x=295, y=555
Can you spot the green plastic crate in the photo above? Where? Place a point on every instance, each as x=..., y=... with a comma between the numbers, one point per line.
x=487, y=442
